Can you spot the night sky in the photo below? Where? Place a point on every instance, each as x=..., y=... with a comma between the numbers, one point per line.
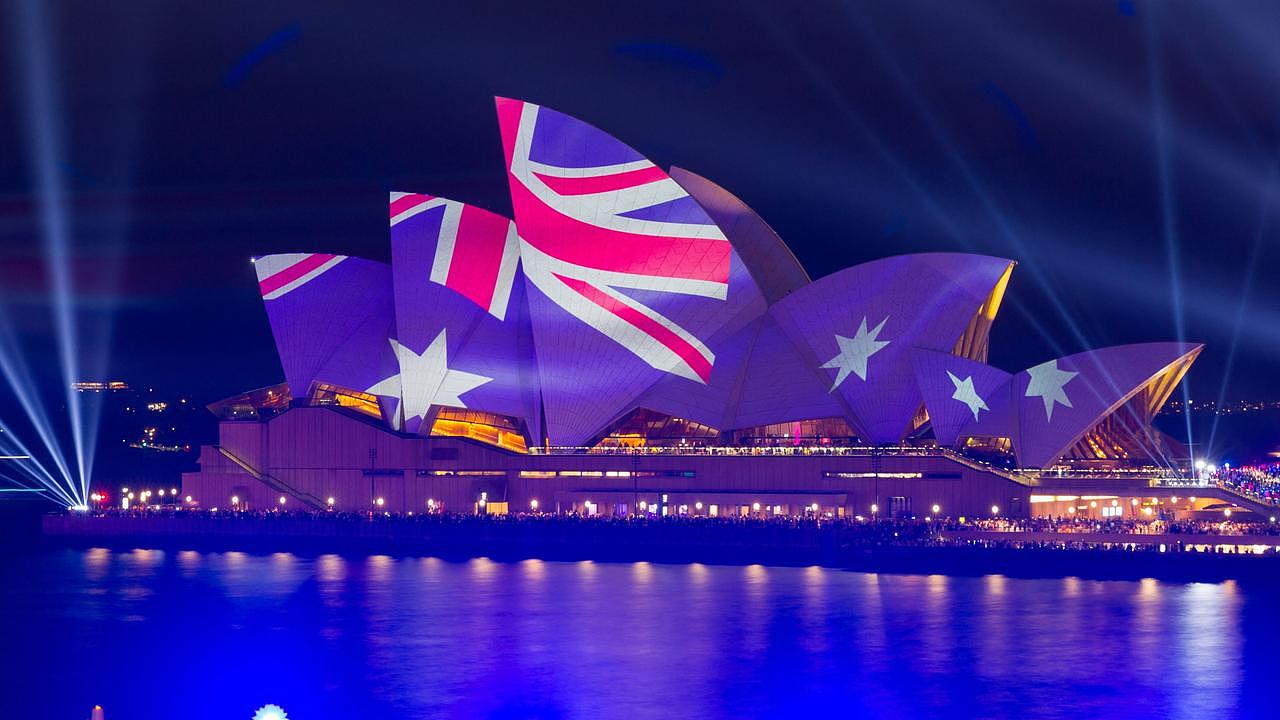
x=1124, y=153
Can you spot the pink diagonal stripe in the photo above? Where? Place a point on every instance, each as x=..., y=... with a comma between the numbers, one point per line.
x=694, y=359
x=407, y=202
x=601, y=183
x=271, y=283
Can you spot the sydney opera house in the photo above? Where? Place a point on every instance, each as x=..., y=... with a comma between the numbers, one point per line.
x=637, y=340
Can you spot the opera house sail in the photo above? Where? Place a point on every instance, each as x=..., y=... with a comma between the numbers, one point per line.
x=639, y=331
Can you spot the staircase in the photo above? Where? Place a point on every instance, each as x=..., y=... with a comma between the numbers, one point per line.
x=1261, y=508
x=306, y=498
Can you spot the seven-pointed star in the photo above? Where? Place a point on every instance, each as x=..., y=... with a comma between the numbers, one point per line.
x=1046, y=382
x=855, y=351
x=425, y=380
x=966, y=394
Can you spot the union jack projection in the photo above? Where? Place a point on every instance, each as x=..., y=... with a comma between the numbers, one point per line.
x=476, y=251
x=331, y=316
x=598, y=220
x=280, y=274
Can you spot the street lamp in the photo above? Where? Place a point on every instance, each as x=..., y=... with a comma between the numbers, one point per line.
x=995, y=509
x=533, y=504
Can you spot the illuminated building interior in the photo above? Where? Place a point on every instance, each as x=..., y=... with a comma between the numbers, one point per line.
x=489, y=428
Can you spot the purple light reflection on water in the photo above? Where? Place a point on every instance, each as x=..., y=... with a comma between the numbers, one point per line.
x=215, y=635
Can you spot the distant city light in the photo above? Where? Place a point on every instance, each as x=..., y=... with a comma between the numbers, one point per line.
x=100, y=385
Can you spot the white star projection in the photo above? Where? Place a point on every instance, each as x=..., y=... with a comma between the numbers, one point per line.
x=855, y=351
x=966, y=394
x=426, y=379
x=1047, y=382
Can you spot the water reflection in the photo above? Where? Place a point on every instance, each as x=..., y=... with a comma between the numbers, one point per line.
x=383, y=637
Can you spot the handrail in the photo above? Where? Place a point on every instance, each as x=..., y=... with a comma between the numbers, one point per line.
x=1243, y=496
x=784, y=450
x=272, y=482
x=1024, y=476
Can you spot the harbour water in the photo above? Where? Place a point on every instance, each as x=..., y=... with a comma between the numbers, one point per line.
x=163, y=634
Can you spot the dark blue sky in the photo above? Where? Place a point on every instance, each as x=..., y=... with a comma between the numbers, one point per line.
x=1085, y=139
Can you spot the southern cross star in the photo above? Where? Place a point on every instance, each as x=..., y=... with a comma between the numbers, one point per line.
x=1047, y=382
x=855, y=351
x=426, y=379
x=966, y=394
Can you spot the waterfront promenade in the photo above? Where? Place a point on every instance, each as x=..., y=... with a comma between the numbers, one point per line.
x=1187, y=551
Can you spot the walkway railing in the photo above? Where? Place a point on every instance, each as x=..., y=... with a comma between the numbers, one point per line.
x=1263, y=502
x=788, y=450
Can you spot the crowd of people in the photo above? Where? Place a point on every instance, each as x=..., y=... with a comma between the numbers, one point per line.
x=699, y=448
x=1118, y=526
x=1261, y=482
x=891, y=530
